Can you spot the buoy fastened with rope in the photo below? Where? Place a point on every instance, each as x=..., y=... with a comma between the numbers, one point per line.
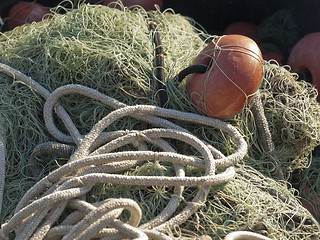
x=234, y=74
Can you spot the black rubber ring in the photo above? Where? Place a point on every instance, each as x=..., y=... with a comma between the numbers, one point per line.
x=191, y=69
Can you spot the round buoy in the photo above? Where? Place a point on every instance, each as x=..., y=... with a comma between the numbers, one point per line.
x=233, y=75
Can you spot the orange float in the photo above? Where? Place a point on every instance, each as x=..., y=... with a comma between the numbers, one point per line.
x=233, y=75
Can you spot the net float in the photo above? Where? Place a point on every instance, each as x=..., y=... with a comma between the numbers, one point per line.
x=234, y=74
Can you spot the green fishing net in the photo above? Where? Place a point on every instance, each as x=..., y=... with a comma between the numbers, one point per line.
x=112, y=51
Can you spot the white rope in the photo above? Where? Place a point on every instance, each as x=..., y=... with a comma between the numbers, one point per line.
x=96, y=160
x=245, y=235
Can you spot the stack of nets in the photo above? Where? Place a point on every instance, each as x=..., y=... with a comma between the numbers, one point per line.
x=112, y=51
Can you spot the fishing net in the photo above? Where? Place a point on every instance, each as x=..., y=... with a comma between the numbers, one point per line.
x=307, y=182
x=280, y=31
x=112, y=51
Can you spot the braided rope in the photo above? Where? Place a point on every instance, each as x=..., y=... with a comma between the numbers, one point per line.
x=96, y=160
x=264, y=132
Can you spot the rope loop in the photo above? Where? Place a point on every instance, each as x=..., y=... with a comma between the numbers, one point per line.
x=98, y=159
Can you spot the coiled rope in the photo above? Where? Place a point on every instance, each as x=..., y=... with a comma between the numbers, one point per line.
x=96, y=160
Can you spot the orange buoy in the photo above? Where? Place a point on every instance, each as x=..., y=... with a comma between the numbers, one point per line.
x=233, y=75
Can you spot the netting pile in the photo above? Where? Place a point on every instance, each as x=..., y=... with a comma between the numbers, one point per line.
x=292, y=115
x=112, y=51
x=308, y=183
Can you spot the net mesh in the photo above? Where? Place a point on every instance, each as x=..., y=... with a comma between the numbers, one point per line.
x=112, y=51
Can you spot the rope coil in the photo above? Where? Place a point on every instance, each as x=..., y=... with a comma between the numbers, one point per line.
x=92, y=163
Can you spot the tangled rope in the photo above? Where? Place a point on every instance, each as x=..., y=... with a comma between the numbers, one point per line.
x=96, y=160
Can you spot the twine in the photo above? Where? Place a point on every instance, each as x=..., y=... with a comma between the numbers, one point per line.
x=96, y=161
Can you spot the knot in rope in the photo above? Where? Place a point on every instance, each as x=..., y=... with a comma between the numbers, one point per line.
x=140, y=138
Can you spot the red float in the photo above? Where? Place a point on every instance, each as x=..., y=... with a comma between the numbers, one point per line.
x=275, y=55
x=305, y=57
x=312, y=203
x=244, y=28
x=26, y=12
x=146, y=4
x=234, y=74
